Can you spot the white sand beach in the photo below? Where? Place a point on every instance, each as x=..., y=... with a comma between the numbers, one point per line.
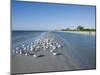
x=80, y=32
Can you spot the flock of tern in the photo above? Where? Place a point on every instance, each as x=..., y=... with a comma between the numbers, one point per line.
x=45, y=42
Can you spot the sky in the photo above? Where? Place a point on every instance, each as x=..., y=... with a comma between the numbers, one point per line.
x=51, y=16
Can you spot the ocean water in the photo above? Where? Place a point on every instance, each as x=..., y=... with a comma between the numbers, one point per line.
x=82, y=47
x=20, y=37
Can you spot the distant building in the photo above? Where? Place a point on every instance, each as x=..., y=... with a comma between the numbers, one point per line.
x=80, y=28
x=67, y=28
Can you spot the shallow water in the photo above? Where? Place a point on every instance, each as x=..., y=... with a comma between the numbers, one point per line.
x=82, y=48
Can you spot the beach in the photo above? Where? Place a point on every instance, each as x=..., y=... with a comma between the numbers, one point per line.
x=80, y=32
x=69, y=58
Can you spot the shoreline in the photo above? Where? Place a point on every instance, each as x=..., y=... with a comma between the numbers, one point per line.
x=80, y=32
x=46, y=63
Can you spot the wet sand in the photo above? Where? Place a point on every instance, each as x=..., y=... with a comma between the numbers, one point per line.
x=46, y=62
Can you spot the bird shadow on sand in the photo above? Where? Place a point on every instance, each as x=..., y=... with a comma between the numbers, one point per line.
x=59, y=54
x=41, y=55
